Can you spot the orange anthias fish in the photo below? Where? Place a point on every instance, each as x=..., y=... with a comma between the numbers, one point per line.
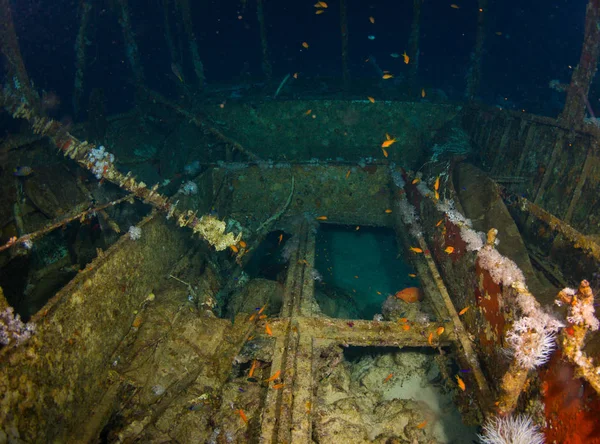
x=243, y=244
x=319, y=11
x=430, y=339
x=278, y=386
x=439, y=331
x=274, y=377
x=454, y=6
x=305, y=45
x=423, y=92
x=412, y=275
x=436, y=185
x=405, y=327
x=280, y=239
x=388, y=211
x=416, y=250
x=449, y=250
x=387, y=76
x=410, y=295
x=321, y=5
x=415, y=181
x=262, y=309
x=464, y=310
x=385, y=153
x=234, y=248
x=321, y=217
x=371, y=99
x=439, y=222
x=307, y=113
x=254, y=365
x=388, y=377
x=461, y=383
x=388, y=143
x=268, y=330
x=372, y=20
x=243, y=416
x=422, y=424
x=406, y=57
x=295, y=75
x=348, y=174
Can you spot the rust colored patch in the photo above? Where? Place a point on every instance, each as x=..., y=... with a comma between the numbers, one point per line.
x=572, y=406
x=487, y=294
x=452, y=238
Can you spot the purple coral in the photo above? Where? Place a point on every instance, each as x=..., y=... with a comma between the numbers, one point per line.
x=12, y=329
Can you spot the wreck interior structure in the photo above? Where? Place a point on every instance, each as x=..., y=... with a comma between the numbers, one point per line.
x=409, y=269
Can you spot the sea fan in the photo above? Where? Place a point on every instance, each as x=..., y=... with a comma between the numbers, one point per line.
x=511, y=430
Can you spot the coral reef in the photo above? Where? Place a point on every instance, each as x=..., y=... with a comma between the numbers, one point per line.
x=213, y=231
x=13, y=331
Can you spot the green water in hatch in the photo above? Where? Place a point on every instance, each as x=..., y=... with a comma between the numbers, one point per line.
x=359, y=269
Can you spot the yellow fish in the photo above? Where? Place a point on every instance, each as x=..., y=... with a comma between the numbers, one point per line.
x=371, y=99
x=348, y=174
x=305, y=45
x=321, y=217
x=412, y=275
x=406, y=57
x=449, y=250
x=321, y=5
x=416, y=250
x=423, y=92
x=387, y=76
x=437, y=195
x=388, y=211
x=319, y=11
x=461, y=383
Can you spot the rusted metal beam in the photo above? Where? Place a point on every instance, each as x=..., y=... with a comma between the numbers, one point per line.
x=474, y=74
x=576, y=101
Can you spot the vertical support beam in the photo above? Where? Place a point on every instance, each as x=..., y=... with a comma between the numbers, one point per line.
x=585, y=171
x=474, y=74
x=344, y=31
x=168, y=33
x=266, y=63
x=576, y=100
x=186, y=17
x=17, y=74
x=413, y=47
x=131, y=48
x=85, y=9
